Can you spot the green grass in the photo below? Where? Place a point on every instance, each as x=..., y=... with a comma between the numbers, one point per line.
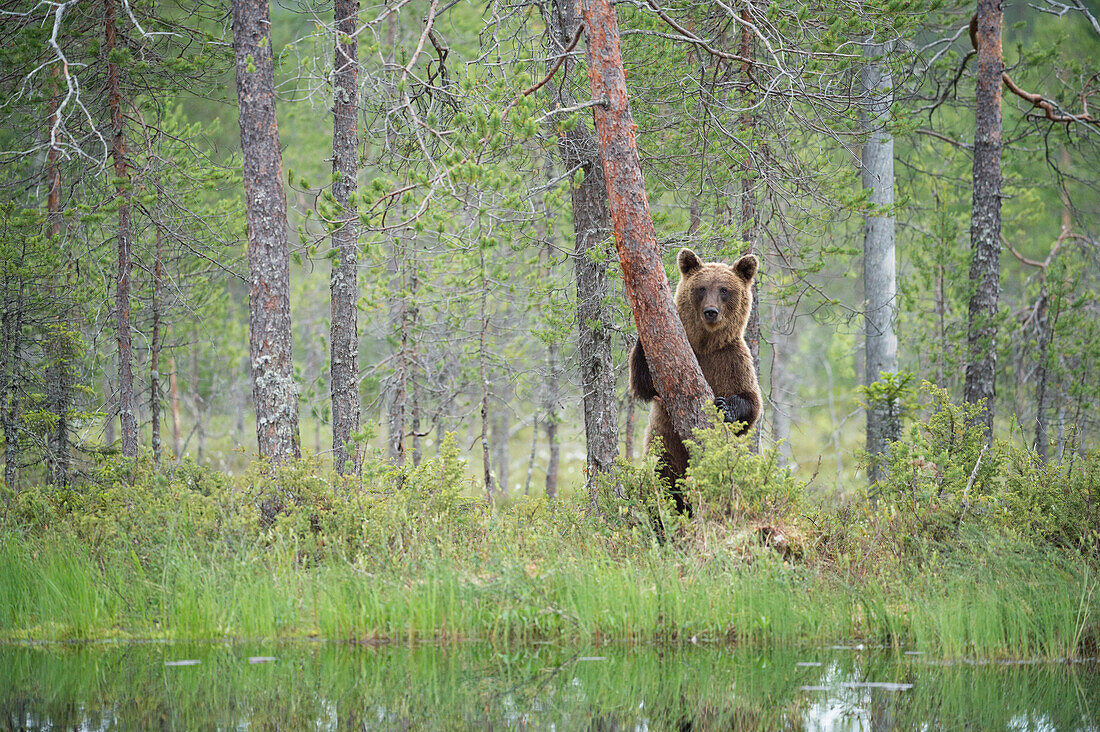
x=1011, y=607
x=411, y=556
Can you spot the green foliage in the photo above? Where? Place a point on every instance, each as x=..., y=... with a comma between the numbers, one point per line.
x=727, y=480
x=941, y=473
x=892, y=389
x=1055, y=502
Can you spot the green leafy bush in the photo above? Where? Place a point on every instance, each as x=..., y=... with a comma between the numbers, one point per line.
x=940, y=474
x=727, y=480
x=1053, y=502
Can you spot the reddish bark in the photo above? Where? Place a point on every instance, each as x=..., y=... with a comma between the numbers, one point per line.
x=126, y=412
x=676, y=373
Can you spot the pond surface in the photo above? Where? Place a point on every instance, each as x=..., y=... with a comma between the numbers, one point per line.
x=330, y=686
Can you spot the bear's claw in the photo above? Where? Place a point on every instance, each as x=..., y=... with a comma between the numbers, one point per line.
x=734, y=408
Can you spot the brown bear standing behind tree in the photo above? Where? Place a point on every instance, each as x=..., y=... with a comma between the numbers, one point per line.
x=713, y=301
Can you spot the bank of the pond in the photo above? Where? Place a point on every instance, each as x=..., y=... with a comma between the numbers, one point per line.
x=1035, y=606
x=960, y=564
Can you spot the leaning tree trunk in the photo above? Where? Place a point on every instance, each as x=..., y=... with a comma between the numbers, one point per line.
x=126, y=409
x=879, y=279
x=274, y=393
x=592, y=225
x=985, y=224
x=344, y=349
x=675, y=370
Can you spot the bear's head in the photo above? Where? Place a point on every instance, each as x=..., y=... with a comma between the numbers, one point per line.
x=714, y=299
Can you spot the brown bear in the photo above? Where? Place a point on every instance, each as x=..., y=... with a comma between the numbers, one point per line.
x=713, y=301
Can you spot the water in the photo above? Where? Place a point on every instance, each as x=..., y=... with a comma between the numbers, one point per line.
x=329, y=686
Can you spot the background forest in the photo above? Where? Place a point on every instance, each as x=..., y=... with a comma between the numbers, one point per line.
x=484, y=305
x=373, y=246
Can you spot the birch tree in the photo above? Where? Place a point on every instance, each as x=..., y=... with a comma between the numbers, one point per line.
x=879, y=269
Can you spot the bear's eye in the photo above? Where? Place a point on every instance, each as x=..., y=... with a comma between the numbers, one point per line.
x=724, y=293
x=700, y=292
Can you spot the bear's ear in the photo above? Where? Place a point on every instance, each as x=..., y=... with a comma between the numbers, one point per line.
x=688, y=261
x=746, y=267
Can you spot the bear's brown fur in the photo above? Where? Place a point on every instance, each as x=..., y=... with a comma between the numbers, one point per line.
x=713, y=301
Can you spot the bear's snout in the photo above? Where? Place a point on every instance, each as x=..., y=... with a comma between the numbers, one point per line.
x=710, y=314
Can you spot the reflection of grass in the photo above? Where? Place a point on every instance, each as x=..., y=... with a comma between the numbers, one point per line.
x=481, y=686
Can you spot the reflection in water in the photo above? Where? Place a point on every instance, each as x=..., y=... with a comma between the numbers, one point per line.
x=336, y=687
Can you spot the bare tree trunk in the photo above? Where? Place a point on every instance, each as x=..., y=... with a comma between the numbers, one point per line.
x=550, y=408
x=11, y=343
x=673, y=366
x=398, y=307
x=1046, y=331
x=985, y=225
x=126, y=408
x=198, y=404
x=344, y=348
x=108, y=409
x=748, y=210
x=274, y=393
x=941, y=323
x=879, y=278
x=174, y=400
x=486, y=464
x=501, y=453
x=592, y=225
x=414, y=424
x=59, y=352
x=784, y=389
x=1043, y=326
x=412, y=312
x=534, y=452
x=155, y=345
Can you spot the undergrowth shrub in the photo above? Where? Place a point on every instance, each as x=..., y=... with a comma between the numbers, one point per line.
x=940, y=474
x=633, y=498
x=1054, y=502
x=130, y=508
x=426, y=508
x=726, y=480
